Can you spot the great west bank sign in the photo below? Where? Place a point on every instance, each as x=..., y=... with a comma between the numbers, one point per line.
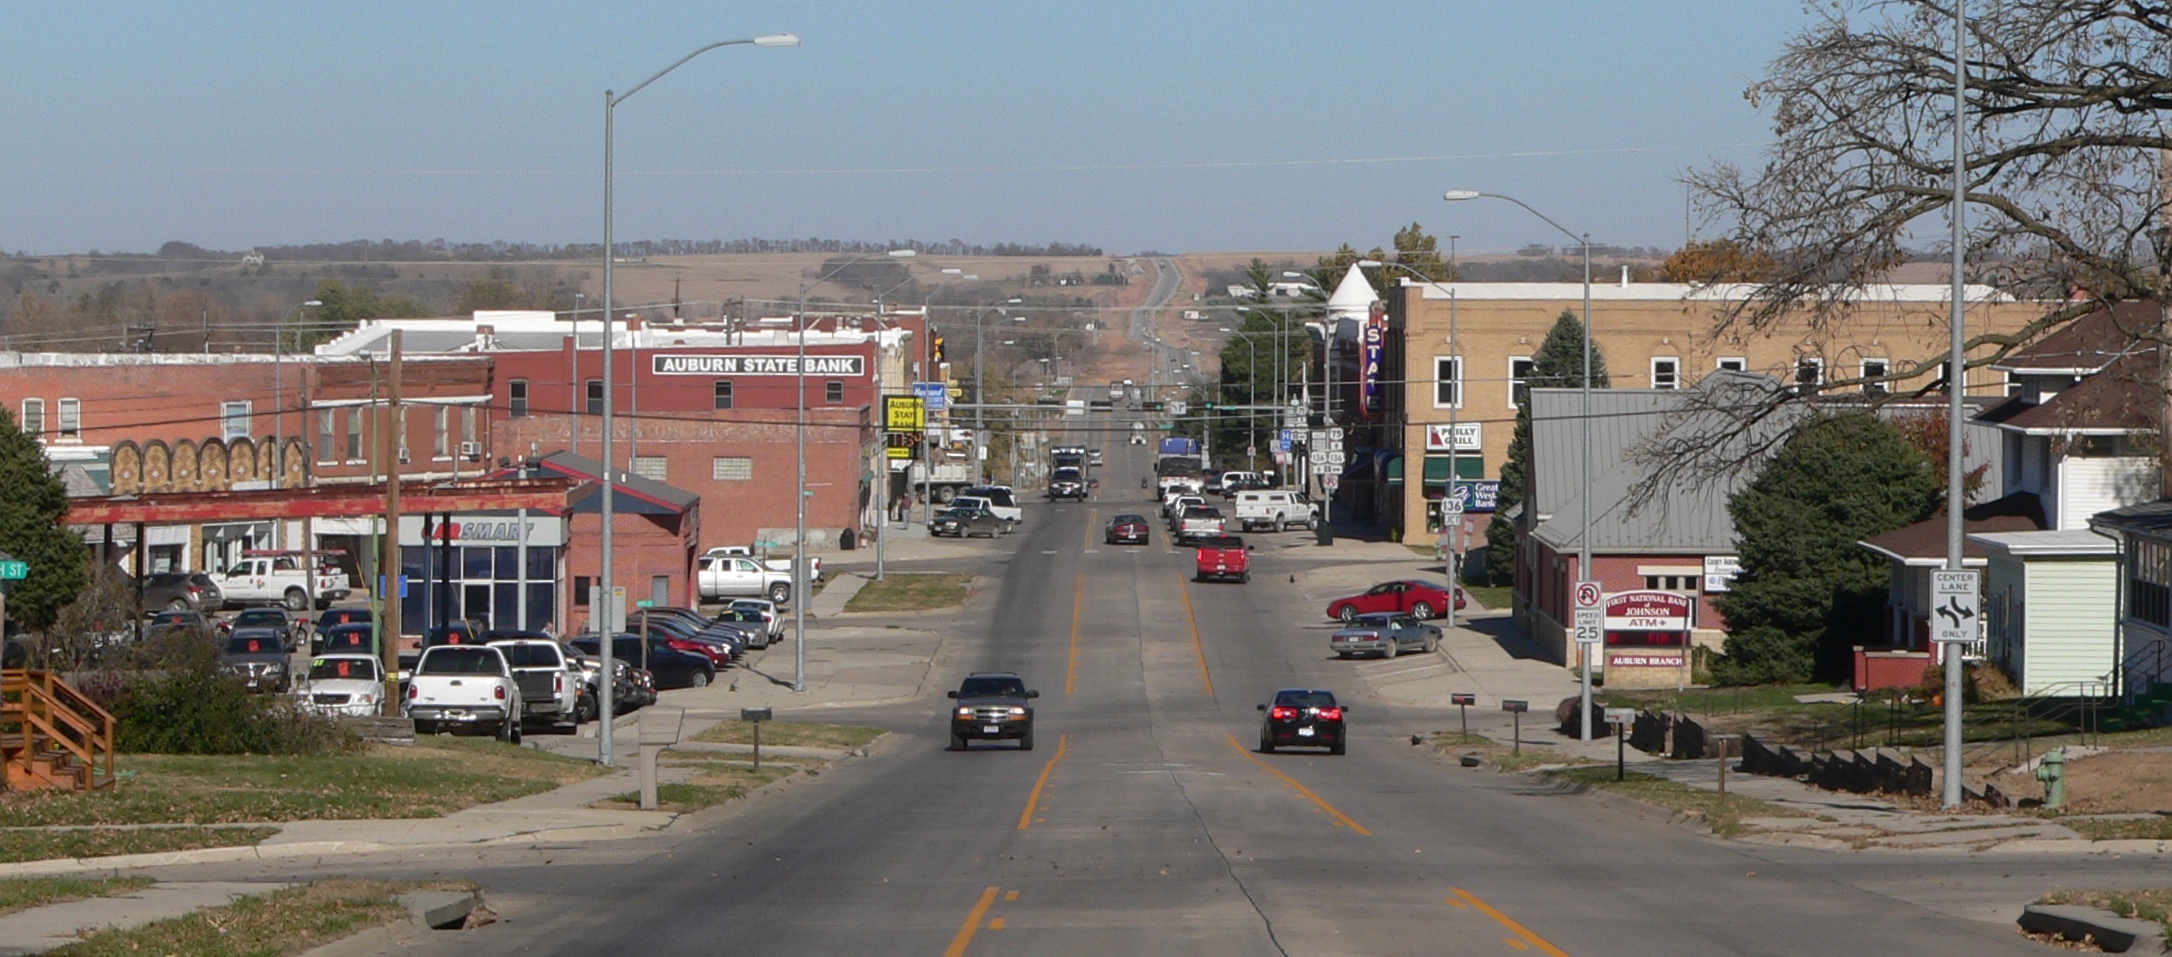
x=669, y=363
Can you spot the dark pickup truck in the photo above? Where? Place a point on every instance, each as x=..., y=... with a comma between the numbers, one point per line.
x=550, y=689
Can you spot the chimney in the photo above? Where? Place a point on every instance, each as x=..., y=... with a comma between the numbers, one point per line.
x=483, y=335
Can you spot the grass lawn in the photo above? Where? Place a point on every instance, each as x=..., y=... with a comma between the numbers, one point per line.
x=2120, y=829
x=1493, y=597
x=1725, y=818
x=912, y=591
x=2149, y=903
x=28, y=892
x=108, y=841
x=436, y=776
x=714, y=783
x=283, y=922
x=794, y=733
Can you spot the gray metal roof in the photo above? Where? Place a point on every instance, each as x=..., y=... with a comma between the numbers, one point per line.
x=1689, y=517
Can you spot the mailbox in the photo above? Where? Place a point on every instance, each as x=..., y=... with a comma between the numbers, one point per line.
x=1465, y=699
x=1516, y=707
x=1621, y=715
x=660, y=726
x=754, y=714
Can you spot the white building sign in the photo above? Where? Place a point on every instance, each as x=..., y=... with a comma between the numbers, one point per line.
x=1719, y=570
x=1468, y=437
x=672, y=363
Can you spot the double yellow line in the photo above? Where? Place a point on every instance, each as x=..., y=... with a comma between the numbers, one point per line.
x=1461, y=898
x=1299, y=787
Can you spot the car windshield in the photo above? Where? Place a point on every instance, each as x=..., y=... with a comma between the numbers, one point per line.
x=173, y=618
x=342, y=616
x=740, y=614
x=347, y=638
x=254, y=643
x=1064, y=475
x=1304, y=699
x=531, y=655
x=261, y=616
x=1373, y=621
x=459, y=661
x=1230, y=542
x=1129, y=520
x=338, y=669
x=992, y=687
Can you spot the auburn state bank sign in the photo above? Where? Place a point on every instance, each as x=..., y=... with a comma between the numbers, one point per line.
x=730, y=365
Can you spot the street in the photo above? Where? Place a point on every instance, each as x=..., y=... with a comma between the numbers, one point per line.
x=1143, y=823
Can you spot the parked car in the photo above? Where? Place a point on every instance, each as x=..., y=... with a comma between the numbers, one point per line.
x=1275, y=509
x=999, y=499
x=334, y=617
x=166, y=622
x=350, y=639
x=1233, y=483
x=770, y=613
x=671, y=669
x=275, y=618
x=549, y=686
x=992, y=706
x=688, y=623
x=1385, y=634
x=814, y=566
x=960, y=521
x=1424, y=599
x=1302, y=717
x=182, y=591
x=726, y=576
x=280, y=579
x=757, y=625
x=453, y=633
x=342, y=684
x=1223, y=558
x=1129, y=529
x=1199, y=521
x=258, y=656
x=466, y=687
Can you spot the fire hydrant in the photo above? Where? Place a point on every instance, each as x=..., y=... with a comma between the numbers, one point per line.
x=2052, y=771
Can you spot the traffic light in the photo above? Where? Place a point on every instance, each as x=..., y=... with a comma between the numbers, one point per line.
x=1151, y=406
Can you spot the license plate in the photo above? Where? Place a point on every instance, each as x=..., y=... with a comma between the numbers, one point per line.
x=991, y=729
x=1304, y=732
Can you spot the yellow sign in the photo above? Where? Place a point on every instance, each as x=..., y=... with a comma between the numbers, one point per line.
x=900, y=445
x=904, y=413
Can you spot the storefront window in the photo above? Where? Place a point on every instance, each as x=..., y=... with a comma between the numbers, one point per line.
x=508, y=563
x=475, y=563
x=542, y=565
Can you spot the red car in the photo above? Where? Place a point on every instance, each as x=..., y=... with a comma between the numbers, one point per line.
x=1224, y=558
x=1423, y=599
x=1128, y=530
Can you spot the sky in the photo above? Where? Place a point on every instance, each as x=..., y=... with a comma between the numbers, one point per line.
x=1177, y=127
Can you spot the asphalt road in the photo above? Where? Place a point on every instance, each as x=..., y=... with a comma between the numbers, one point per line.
x=1142, y=824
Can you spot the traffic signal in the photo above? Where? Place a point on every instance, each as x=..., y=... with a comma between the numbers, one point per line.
x=1152, y=406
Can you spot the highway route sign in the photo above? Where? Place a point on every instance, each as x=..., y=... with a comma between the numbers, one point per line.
x=1956, y=606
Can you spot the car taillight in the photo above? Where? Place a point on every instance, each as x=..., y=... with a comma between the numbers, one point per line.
x=1329, y=714
x=1281, y=713
x=499, y=692
x=558, y=683
x=413, y=692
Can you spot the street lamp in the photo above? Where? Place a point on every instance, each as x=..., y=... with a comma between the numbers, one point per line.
x=608, y=509
x=1583, y=538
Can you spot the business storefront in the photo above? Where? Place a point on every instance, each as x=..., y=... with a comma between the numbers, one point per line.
x=498, y=568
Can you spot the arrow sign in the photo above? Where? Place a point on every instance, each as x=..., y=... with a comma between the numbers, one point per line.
x=1956, y=606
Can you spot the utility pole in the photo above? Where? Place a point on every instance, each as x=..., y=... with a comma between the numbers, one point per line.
x=1956, y=384
x=389, y=568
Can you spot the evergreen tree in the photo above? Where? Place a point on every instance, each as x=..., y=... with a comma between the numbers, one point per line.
x=1807, y=591
x=31, y=530
x=1559, y=364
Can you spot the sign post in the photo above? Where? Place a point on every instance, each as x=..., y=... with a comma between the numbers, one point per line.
x=755, y=717
x=1516, y=708
x=1620, y=718
x=1463, y=704
x=1589, y=633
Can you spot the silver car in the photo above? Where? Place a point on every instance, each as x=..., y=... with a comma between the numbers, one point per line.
x=1385, y=634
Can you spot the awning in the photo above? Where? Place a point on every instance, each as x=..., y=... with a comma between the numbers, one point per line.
x=1395, y=470
x=1471, y=466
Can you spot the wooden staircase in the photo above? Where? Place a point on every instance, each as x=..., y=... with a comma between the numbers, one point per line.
x=51, y=735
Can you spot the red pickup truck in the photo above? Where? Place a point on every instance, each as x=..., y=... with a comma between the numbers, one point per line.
x=1224, y=558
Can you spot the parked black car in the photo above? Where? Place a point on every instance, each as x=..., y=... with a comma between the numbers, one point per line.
x=671, y=668
x=258, y=656
x=349, y=639
x=275, y=618
x=1302, y=717
x=992, y=706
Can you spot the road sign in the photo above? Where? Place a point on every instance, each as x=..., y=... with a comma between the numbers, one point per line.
x=935, y=394
x=1956, y=606
x=1451, y=506
x=1588, y=594
x=1329, y=481
x=904, y=413
x=1282, y=441
x=1176, y=407
x=1589, y=626
x=14, y=571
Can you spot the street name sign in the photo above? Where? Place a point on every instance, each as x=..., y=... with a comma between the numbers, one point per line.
x=14, y=571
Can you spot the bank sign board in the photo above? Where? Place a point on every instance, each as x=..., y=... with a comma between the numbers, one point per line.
x=1476, y=495
x=1647, y=611
x=680, y=363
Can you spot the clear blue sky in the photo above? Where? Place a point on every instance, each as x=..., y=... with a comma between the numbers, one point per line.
x=235, y=124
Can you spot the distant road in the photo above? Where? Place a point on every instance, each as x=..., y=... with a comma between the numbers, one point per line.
x=1167, y=280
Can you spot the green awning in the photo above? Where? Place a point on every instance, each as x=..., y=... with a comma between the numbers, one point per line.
x=1395, y=471
x=1471, y=466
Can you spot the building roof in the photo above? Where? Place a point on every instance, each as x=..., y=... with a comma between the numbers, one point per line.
x=1353, y=296
x=2120, y=398
x=648, y=495
x=2048, y=543
x=541, y=331
x=1924, y=543
x=1677, y=291
x=2088, y=344
x=2151, y=519
x=1690, y=519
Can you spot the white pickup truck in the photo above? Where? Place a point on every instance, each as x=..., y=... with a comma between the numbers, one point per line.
x=279, y=579
x=467, y=687
x=550, y=688
x=814, y=562
x=726, y=576
x=1275, y=509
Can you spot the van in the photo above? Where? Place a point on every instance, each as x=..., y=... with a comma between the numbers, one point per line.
x=1275, y=509
x=997, y=499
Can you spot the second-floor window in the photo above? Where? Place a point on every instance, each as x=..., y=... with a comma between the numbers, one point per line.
x=71, y=418
x=327, y=441
x=1519, y=379
x=516, y=398
x=354, y=435
x=1874, y=369
x=653, y=467
x=595, y=397
x=1809, y=372
x=1447, y=382
x=233, y=420
x=440, y=448
x=723, y=393
x=1666, y=372
x=1731, y=364
x=833, y=391
x=34, y=416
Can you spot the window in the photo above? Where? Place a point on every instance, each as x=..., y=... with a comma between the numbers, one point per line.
x=731, y=468
x=1873, y=369
x=595, y=397
x=1666, y=372
x=723, y=393
x=833, y=391
x=233, y=420
x=71, y=418
x=2149, y=582
x=354, y=435
x=516, y=398
x=327, y=438
x=580, y=590
x=650, y=467
x=1732, y=364
x=467, y=425
x=34, y=416
x=1809, y=371
x=1519, y=375
x=1670, y=582
x=1447, y=382
x=439, y=446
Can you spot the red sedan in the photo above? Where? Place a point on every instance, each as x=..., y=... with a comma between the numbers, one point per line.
x=1127, y=530
x=1422, y=599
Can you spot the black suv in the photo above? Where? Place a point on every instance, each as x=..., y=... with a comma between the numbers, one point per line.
x=992, y=705
x=1067, y=483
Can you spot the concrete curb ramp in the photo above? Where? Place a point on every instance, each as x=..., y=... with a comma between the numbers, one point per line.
x=2117, y=935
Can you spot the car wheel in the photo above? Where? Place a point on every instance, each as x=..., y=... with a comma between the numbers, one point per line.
x=177, y=604
x=1244, y=579
x=1432, y=644
x=700, y=679
x=1335, y=748
x=1423, y=610
x=1266, y=743
x=780, y=593
x=296, y=599
x=506, y=730
x=1348, y=613
x=1026, y=743
x=957, y=742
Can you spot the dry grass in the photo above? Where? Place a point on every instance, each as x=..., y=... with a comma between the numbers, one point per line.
x=714, y=783
x=912, y=591
x=2120, y=783
x=28, y=892
x=108, y=841
x=283, y=922
x=1724, y=817
x=793, y=733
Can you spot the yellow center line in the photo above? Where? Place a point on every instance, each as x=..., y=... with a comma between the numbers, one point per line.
x=1093, y=516
x=1025, y=820
x=1537, y=942
x=972, y=924
x=1198, y=650
x=1300, y=788
x=1078, y=604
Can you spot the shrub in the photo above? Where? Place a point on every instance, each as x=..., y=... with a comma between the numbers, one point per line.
x=1766, y=655
x=176, y=699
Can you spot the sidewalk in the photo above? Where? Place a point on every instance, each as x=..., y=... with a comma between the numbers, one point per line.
x=40, y=929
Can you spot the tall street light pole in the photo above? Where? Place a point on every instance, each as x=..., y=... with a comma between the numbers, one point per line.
x=1583, y=538
x=1956, y=383
x=602, y=597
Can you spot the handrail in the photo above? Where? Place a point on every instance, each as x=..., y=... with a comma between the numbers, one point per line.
x=45, y=707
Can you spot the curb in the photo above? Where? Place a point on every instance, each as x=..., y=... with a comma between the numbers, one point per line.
x=268, y=852
x=2117, y=935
